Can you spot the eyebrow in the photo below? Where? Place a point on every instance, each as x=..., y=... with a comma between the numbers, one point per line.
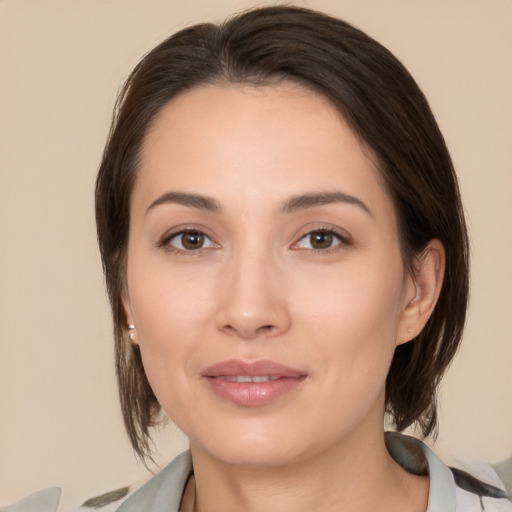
x=294, y=204
x=305, y=201
x=192, y=200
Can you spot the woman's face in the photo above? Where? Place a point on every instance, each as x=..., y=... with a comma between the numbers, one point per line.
x=264, y=274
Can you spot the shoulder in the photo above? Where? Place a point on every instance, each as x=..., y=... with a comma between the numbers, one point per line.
x=469, y=487
x=46, y=500
x=162, y=492
x=504, y=471
x=109, y=501
x=478, y=483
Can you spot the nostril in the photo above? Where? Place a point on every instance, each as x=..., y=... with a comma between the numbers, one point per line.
x=249, y=332
x=264, y=329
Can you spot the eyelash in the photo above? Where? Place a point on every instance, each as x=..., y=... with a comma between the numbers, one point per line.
x=165, y=242
x=342, y=240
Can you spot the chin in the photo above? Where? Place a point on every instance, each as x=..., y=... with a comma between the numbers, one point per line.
x=258, y=444
x=264, y=455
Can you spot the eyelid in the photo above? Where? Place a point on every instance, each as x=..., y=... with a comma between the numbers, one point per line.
x=165, y=239
x=342, y=236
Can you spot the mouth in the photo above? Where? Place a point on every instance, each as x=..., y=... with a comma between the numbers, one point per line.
x=247, y=378
x=253, y=384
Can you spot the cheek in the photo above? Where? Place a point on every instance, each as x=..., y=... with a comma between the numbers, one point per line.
x=355, y=302
x=352, y=320
x=171, y=312
x=167, y=301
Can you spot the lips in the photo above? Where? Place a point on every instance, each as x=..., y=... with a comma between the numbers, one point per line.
x=248, y=378
x=252, y=384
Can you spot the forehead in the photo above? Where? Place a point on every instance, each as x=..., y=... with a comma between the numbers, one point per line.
x=279, y=138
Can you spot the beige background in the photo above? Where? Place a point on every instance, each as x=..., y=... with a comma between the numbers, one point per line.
x=61, y=63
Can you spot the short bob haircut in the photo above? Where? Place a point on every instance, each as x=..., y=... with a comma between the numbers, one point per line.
x=382, y=104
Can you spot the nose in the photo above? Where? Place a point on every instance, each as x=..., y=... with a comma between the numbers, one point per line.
x=253, y=300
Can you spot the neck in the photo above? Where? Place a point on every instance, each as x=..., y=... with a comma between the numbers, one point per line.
x=355, y=475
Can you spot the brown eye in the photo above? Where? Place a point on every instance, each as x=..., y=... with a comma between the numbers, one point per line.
x=319, y=239
x=190, y=241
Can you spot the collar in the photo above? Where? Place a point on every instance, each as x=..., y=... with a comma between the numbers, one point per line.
x=164, y=491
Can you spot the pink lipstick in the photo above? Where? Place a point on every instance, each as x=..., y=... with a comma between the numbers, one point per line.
x=252, y=384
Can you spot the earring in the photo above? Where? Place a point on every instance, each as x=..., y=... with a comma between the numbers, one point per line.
x=132, y=334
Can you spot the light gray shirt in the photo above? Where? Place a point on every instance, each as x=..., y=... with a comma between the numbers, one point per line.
x=474, y=488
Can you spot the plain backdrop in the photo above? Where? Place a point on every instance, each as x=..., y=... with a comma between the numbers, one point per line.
x=61, y=65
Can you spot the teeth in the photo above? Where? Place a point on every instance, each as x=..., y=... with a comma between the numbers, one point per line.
x=248, y=378
x=263, y=379
x=238, y=378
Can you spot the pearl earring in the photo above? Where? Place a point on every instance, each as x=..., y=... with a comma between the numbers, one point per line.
x=132, y=334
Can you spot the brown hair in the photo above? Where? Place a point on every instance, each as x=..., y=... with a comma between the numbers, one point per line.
x=383, y=105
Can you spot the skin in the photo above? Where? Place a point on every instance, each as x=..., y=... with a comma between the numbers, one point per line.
x=260, y=288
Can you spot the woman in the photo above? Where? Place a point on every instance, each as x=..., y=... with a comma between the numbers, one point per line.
x=286, y=258
x=284, y=247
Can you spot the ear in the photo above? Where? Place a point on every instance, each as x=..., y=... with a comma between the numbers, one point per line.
x=421, y=291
